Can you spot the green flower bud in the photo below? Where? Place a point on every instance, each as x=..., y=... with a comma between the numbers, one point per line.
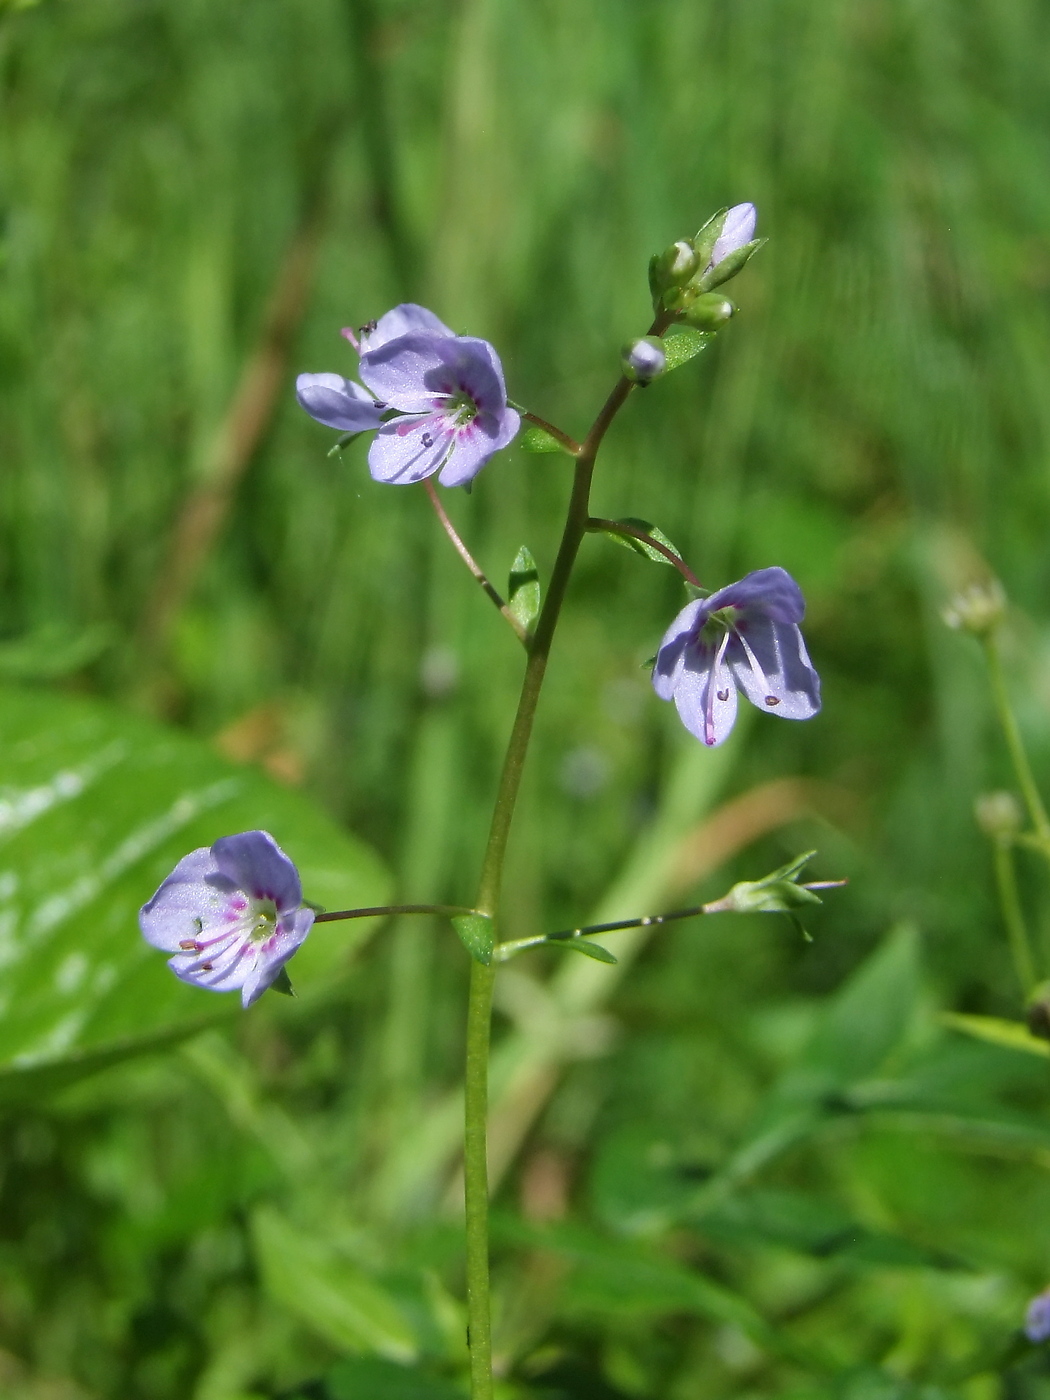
x=978, y=609
x=779, y=893
x=706, y=311
x=998, y=815
x=672, y=268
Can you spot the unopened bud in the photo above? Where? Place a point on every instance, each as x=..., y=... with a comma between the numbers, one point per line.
x=998, y=814
x=978, y=609
x=707, y=312
x=643, y=360
x=778, y=893
x=672, y=268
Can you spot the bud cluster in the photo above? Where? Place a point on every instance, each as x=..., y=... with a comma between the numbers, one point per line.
x=977, y=609
x=683, y=277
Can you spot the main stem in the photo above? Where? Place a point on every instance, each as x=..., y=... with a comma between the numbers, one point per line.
x=479, y=1009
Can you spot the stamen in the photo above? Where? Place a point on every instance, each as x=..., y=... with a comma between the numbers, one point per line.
x=709, y=708
x=348, y=334
x=189, y=945
x=756, y=669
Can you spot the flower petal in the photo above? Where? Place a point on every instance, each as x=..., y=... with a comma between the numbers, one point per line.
x=769, y=593
x=409, y=449
x=788, y=686
x=738, y=229
x=274, y=953
x=670, y=658
x=188, y=901
x=402, y=320
x=225, y=971
x=338, y=403
x=476, y=443
x=417, y=373
x=705, y=697
x=256, y=864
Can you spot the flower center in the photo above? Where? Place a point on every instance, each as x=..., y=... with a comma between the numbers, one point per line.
x=460, y=409
x=263, y=920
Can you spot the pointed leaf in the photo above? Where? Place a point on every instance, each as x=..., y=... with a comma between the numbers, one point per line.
x=637, y=546
x=523, y=590
x=535, y=439
x=682, y=344
x=477, y=934
x=585, y=946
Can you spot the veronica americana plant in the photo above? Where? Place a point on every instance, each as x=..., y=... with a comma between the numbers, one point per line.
x=436, y=405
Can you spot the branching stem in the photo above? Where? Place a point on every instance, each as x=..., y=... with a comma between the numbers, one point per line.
x=468, y=559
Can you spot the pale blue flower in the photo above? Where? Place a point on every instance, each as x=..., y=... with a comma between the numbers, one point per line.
x=437, y=401
x=1037, y=1318
x=232, y=914
x=746, y=635
x=738, y=228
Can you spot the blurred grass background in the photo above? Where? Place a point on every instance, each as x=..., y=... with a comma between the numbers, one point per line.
x=193, y=199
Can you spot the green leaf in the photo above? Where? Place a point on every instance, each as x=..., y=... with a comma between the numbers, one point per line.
x=96, y=808
x=637, y=546
x=477, y=934
x=523, y=589
x=682, y=344
x=535, y=439
x=585, y=946
x=369, y=1378
x=1012, y=1035
x=325, y=1289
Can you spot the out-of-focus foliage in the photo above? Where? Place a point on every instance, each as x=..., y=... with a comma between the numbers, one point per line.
x=734, y=1164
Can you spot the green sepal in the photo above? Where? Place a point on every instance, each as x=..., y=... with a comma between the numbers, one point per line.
x=343, y=442
x=282, y=983
x=730, y=265
x=477, y=934
x=778, y=893
x=586, y=947
x=535, y=439
x=707, y=237
x=523, y=589
x=683, y=343
x=637, y=546
x=693, y=593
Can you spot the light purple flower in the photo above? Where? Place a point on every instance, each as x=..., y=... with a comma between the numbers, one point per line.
x=437, y=400
x=738, y=229
x=744, y=635
x=232, y=914
x=1037, y=1318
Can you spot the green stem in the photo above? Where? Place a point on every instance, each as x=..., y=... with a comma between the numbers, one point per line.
x=1015, y=744
x=476, y=1179
x=1013, y=916
x=479, y=1013
x=377, y=910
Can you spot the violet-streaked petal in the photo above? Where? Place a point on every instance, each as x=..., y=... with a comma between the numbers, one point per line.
x=705, y=697
x=416, y=373
x=788, y=686
x=402, y=320
x=272, y=955
x=476, y=443
x=224, y=972
x=338, y=403
x=769, y=593
x=670, y=656
x=738, y=229
x=1037, y=1318
x=184, y=903
x=255, y=862
x=408, y=449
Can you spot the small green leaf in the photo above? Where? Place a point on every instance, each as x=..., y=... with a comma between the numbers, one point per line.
x=637, y=546
x=1011, y=1035
x=477, y=935
x=283, y=983
x=535, y=439
x=523, y=589
x=585, y=946
x=683, y=343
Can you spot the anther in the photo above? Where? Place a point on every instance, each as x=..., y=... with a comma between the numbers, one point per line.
x=723, y=695
x=772, y=700
x=368, y=327
x=207, y=967
x=189, y=945
x=427, y=440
